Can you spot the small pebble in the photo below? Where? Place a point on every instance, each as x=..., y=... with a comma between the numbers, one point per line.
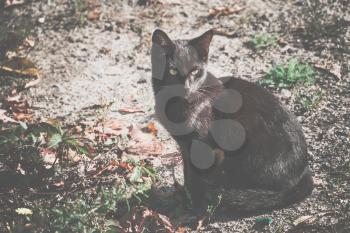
x=142, y=80
x=41, y=20
x=286, y=93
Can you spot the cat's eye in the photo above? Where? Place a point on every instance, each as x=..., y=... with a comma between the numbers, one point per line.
x=173, y=72
x=195, y=72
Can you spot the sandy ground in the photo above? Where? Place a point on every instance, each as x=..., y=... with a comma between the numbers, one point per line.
x=107, y=60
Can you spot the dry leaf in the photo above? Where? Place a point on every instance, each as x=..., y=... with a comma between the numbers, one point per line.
x=150, y=128
x=19, y=66
x=181, y=230
x=141, y=218
x=5, y=118
x=23, y=116
x=218, y=11
x=11, y=3
x=281, y=41
x=15, y=98
x=73, y=155
x=16, y=103
x=306, y=218
x=129, y=110
x=124, y=165
x=58, y=184
x=29, y=41
x=222, y=32
x=35, y=81
x=19, y=107
x=109, y=167
x=113, y=127
x=153, y=148
x=49, y=156
x=93, y=15
x=143, y=143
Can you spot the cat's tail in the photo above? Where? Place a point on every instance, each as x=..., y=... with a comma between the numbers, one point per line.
x=254, y=200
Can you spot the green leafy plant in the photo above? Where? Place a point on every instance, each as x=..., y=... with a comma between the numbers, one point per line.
x=286, y=76
x=94, y=214
x=79, y=8
x=214, y=205
x=84, y=214
x=311, y=102
x=262, y=41
x=21, y=146
x=63, y=140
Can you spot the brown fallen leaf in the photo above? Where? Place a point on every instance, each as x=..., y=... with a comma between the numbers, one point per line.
x=58, y=184
x=281, y=41
x=141, y=218
x=152, y=148
x=222, y=32
x=49, y=156
x=19, y=107
x=113, y=127
x=93, y=15
x=127, y=110
x=150, y=128
x=218, y=11
x=17, y=103
x=5, y=118
x=109, y=167
x=29, y=41
x=15, y=98
x=35, y=81
x=19, y=66
x=20, y=116
x=73, y=156
x=124, y=165
x=181, y=230
x=142, y=143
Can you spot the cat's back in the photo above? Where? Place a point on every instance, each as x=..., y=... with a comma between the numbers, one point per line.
x=258, y=101
x=251, y=91
x=271, y=129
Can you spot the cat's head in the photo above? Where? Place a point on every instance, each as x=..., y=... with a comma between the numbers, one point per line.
x=179, y=62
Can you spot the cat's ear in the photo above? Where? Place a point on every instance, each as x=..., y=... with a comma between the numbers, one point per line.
x=201, y=44
x=161, y=39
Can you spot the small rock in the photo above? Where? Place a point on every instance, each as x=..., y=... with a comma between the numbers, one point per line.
x=287, y=49
x=286, y=93
x=300, y=118
x=142, y=80
x=41, y=20
x=109, y=27
x=70, y=39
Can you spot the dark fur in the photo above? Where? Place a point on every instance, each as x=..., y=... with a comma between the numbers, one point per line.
x=269, y=171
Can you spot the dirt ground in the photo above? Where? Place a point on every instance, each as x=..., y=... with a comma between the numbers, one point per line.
x=90, y=62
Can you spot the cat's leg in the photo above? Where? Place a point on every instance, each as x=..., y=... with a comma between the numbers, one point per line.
x=195, y=187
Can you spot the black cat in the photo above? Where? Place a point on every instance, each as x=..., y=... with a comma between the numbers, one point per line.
x=237, y=140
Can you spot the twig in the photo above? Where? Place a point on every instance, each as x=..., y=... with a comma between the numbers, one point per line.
x=220, y=32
